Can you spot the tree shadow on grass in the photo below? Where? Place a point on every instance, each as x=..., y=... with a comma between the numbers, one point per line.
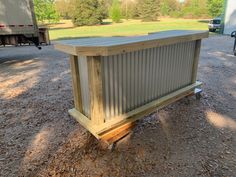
x=62, y=28
x=85, y=37
x=73, y=27
x=203, y=21
x=106, y=23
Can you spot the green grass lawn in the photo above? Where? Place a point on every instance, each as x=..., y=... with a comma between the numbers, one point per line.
x=65, y=29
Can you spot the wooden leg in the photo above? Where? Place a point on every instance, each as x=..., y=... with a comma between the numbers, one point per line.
x=95, y=90
x=196, y=60
x=48, y=42
x=76, y=83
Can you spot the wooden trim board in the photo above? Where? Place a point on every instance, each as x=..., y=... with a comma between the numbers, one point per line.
x=76, y=82
x=95, y=90
x=117, y=133
x=107, y=127
x=196, y=60
x=128, y=44
x=84, y=121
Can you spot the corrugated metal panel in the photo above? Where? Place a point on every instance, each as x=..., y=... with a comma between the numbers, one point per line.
x=136, y=78
x=83, y=70
x=133, y=79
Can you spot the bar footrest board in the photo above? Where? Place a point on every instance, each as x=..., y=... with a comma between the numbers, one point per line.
x=111, y=131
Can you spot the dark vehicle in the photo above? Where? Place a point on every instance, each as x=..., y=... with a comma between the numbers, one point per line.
x=214, y=24
x=233, y=34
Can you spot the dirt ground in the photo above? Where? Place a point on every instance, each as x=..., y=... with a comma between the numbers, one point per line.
x=187, y=138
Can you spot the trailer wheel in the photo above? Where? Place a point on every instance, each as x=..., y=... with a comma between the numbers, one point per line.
x=198, y=96
x=198, y=92
x=233, y=34
x=112, y=147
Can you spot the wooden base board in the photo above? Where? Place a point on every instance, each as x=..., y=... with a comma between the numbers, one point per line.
x=117, y=133
x=121, y=126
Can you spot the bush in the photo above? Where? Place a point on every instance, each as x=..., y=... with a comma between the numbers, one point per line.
x=87, y=12
x=115, y=11
x=64, y=8
x=45, y=10
x=215, y=7
x=167, y=7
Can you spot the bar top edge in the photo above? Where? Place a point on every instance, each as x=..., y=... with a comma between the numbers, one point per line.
x=96, y=46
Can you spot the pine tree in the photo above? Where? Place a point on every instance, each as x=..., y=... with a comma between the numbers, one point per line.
x=149, y=9
x=167, y=7
x=87, y=12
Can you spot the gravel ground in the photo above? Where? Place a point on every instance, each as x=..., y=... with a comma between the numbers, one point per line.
x=187, y=138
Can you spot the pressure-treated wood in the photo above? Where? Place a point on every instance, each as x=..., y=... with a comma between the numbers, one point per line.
x=117, y=133
x=115, y=45
x=148, y=108
x=120, y=86
x=76, y=82
x=84, y=121
x=44, y=36
x=100, y=131
x=95, y=87
x=196, y=60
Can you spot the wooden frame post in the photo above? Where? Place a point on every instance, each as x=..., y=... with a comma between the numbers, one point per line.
x=76, y=83
x=96, y=91
x=196, y=60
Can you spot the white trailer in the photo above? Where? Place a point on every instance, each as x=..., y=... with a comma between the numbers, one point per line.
x=230, y=16
x=18, y=22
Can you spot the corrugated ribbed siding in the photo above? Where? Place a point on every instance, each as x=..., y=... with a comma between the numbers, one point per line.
x=136, y=78
x=83, y=69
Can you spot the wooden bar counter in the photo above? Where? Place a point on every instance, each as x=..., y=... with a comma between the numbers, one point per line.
x=117, y=80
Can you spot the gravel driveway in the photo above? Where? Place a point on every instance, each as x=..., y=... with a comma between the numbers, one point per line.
x=187, y=138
